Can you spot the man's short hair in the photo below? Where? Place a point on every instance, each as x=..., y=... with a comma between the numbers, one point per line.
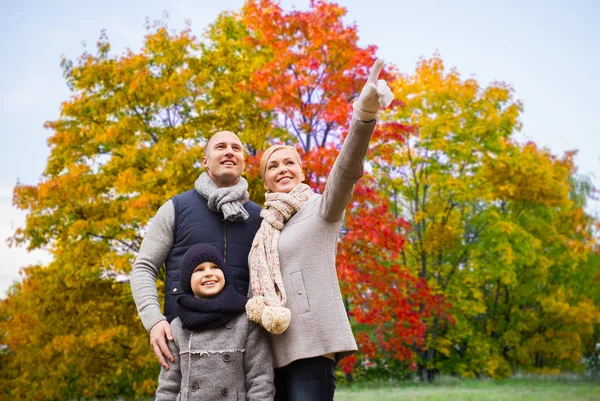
x=206, y=146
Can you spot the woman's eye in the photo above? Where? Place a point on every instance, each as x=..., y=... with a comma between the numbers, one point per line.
x=290, y=162
x=271, y=167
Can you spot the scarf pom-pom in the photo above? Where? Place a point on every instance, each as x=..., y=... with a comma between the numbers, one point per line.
x=276, y=319
x=254, y=309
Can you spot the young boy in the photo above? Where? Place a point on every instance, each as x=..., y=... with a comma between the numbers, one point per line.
x=219, y=354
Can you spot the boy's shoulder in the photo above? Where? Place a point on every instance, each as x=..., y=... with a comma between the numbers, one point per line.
x=177, y=330
x=176, y=324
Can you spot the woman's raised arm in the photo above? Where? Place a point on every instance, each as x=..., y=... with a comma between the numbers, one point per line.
x=349, y=165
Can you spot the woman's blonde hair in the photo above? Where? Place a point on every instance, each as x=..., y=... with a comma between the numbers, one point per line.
x=265, y=157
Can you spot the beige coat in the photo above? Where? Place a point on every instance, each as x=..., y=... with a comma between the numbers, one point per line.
x=307, y=251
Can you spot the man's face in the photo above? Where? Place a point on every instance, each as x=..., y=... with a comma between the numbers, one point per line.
x=224, y=159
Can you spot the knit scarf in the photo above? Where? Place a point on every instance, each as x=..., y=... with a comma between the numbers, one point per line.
x=267, y=306
x=202, y=314
x=226, y=200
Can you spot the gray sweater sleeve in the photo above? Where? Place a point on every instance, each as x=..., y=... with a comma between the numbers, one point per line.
x=346, y=171
x=153, y=253
x=258, y=365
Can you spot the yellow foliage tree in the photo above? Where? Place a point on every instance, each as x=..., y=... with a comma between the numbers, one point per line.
x=129, y=138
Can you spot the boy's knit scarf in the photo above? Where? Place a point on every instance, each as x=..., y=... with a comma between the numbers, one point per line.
x=227, y=200
x=201, y=314
x=267, y=306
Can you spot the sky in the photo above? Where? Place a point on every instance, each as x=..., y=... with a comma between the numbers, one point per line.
x=549, y=51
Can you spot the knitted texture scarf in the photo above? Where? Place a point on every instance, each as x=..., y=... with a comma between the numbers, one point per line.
x=267, y=306
x=202, y=314
x=227, y=200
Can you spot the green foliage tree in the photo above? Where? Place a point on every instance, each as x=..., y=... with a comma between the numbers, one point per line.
x=492, y=227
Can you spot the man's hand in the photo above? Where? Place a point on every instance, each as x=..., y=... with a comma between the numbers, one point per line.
x=374, y=95
x=158, y=332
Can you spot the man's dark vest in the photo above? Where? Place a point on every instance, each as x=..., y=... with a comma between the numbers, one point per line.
x=195, y=223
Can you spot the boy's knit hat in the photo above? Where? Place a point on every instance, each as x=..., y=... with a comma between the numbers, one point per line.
x=197, y=254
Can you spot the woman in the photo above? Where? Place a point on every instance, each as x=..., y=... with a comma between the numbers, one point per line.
x=296, y=294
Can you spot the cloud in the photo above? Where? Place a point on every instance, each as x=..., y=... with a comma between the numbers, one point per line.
x=12, y=259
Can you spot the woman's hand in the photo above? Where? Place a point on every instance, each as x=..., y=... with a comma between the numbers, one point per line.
x=373, y=96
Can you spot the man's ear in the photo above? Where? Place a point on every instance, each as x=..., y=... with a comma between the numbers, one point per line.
x=204, y=161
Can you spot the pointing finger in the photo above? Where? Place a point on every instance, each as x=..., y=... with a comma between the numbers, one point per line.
x=375, y=70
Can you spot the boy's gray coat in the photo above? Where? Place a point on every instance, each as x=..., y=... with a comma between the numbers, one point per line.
x=233, y=362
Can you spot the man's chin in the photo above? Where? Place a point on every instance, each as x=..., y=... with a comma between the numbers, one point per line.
x=228, y=175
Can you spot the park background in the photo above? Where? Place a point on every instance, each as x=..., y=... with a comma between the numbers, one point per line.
x=474, y=209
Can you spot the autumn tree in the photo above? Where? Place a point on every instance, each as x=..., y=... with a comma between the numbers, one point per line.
x=463, y=251
x=484, y=232
x=70, y=334
x=314, y=71
x=128, y=139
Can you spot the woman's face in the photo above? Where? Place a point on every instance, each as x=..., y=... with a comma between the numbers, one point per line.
x=283, y=172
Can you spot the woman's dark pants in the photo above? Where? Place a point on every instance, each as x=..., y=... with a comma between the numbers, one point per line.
x=311, y=379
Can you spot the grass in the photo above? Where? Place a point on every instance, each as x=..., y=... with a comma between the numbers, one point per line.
x=537, y=388
x=475, y=390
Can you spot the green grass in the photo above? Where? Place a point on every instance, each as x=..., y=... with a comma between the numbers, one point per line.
x=475, y=390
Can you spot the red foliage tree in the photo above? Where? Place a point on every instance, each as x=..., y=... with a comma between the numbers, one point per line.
x=314, y=72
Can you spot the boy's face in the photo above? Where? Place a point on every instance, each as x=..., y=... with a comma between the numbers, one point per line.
x=207, y=280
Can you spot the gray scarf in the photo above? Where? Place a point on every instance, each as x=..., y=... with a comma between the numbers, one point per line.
x=227, y=200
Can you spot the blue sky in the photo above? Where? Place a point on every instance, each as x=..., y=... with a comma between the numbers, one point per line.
x=548, y=50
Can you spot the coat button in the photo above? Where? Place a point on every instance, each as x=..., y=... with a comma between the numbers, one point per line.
x=228, y=326
x=227, y=357
x=194, y=387
x=195, y=357
x=299, y=292
x=174, y=289
x=225, y=392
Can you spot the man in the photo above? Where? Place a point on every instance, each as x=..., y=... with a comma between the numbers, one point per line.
x=217, y=212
